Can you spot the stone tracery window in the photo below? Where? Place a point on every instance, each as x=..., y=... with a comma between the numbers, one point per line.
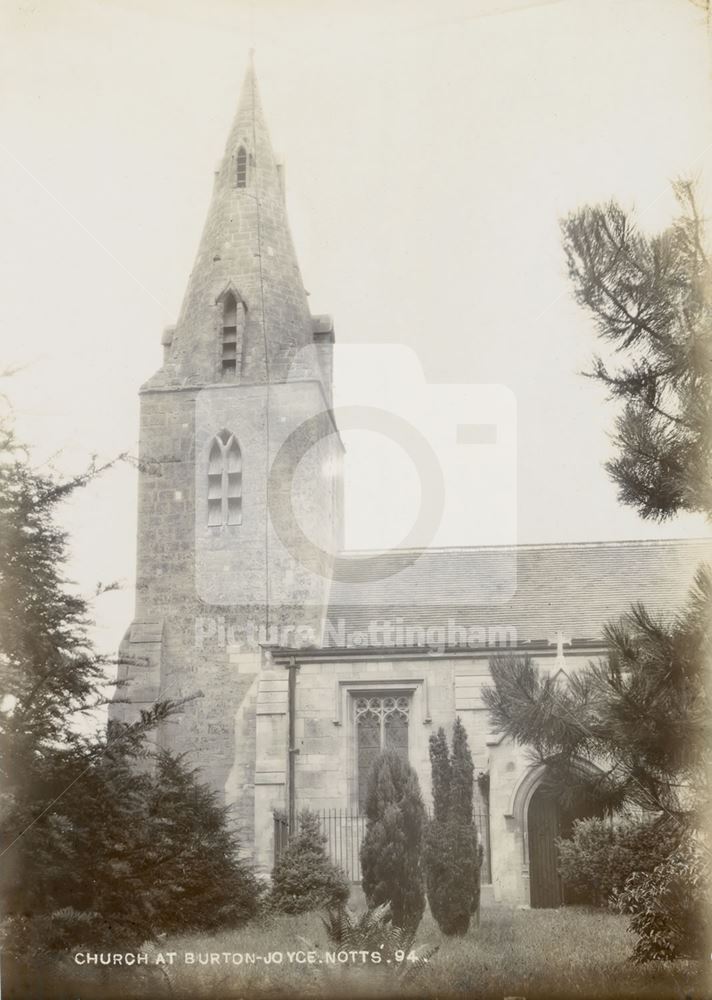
x=381, y=723
x=224, y=481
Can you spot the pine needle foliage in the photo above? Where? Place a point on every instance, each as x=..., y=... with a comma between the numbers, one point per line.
x=651, y=300
x=642, y=712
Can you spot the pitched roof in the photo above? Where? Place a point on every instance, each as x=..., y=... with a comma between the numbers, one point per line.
x=537, y=590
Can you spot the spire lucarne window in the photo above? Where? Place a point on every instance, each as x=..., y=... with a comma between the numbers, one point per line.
x=232, y=316
x=241, y=178
x=224, y=481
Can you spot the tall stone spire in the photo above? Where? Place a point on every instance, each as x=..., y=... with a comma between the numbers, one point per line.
x=246, y=277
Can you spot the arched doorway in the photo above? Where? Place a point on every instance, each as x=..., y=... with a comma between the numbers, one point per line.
x=548, y=819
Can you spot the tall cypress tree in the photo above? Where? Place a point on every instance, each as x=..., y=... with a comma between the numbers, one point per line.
x=452, y=854
x=441, y=775
x=463, y=775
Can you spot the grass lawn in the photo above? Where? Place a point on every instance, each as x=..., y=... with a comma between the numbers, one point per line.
x=549, y=954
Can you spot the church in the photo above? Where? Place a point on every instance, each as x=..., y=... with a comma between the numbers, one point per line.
x=296, y=662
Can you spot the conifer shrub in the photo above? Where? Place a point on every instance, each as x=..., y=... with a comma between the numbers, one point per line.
x=206, y=883
x=105, y=843
x=392, y=845
x=304, y=878
x=453, y=854
x=120, y=858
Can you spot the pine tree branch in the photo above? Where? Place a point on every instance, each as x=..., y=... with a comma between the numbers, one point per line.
x=636, y=322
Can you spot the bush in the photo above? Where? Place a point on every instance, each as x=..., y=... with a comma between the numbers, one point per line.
x=600, y=856
x=206, y=885
x=453, y=854
x=669, y=907
x=392, y=846
x=304, y=878
x=120, y=857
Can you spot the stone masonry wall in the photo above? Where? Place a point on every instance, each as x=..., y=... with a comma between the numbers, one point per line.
x=201, y=609
x=441, y=689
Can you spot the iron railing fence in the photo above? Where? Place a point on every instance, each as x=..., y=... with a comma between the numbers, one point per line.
x=344, y=830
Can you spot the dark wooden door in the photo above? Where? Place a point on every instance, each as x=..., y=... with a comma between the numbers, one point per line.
x=543, y=824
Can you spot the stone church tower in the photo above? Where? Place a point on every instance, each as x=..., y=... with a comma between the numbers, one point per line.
x=240, y=463
x=294, y=665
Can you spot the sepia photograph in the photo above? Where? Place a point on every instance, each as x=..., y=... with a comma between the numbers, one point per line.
x=355, y=499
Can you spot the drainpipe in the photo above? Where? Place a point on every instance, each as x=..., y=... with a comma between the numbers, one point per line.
x=292, y=750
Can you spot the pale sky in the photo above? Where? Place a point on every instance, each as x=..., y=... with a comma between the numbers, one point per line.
x=430, y=148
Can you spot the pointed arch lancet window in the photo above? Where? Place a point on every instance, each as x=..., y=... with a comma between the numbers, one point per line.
x=241, y=178
x=224, y=481
x=381, y=724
